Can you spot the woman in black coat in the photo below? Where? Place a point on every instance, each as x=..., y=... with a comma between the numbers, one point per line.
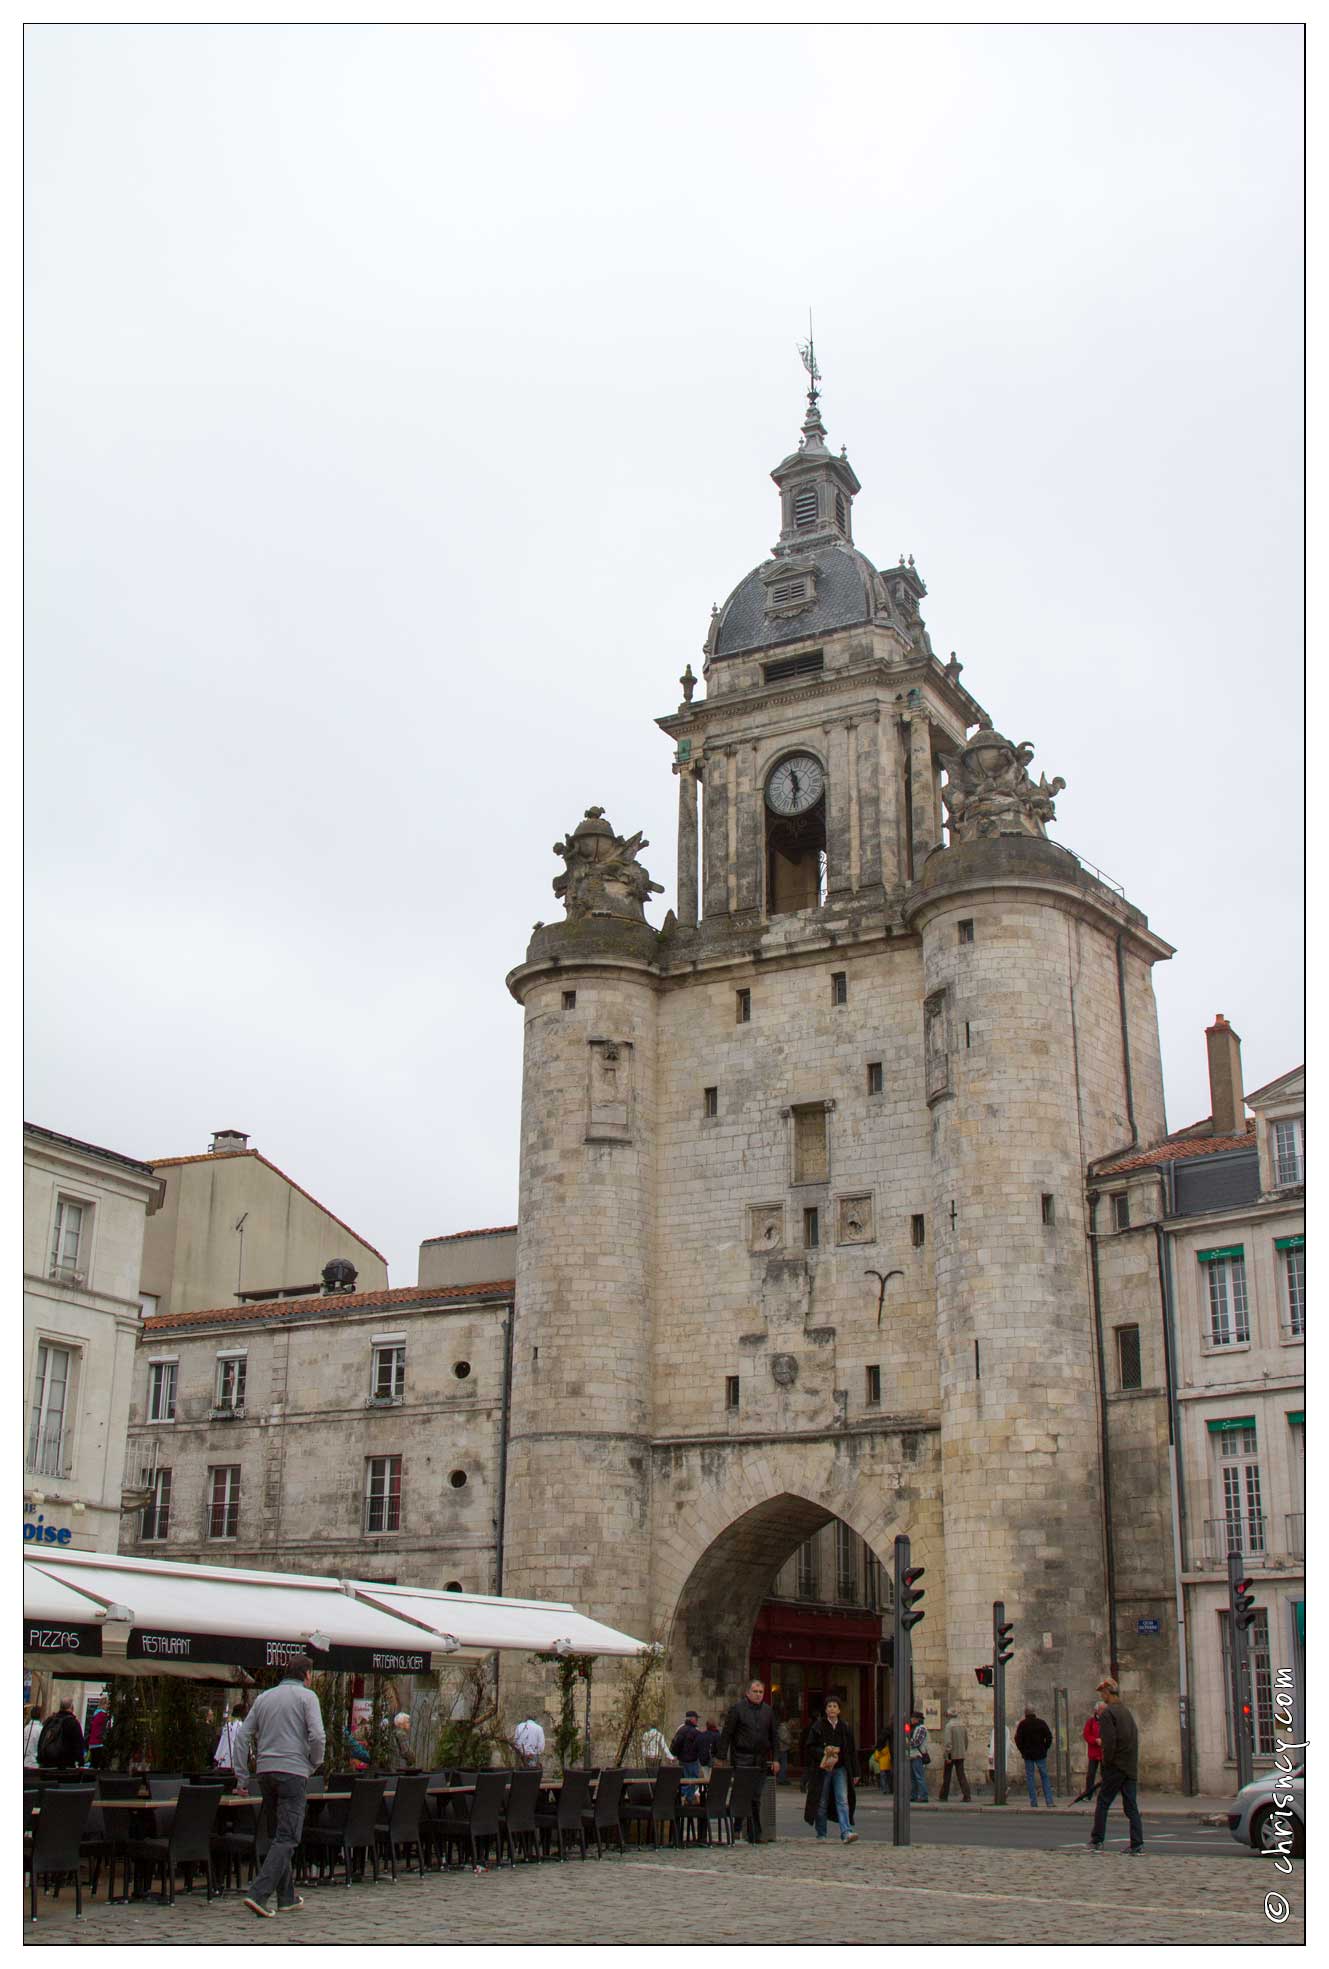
x=837, y=1783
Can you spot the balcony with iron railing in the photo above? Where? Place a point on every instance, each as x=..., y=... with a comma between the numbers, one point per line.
x=46, y=1450
x=1212, y=1541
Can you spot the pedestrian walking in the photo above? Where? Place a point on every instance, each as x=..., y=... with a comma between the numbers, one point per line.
x=686, y=1746
x=710, y=1736
x=1119, y=1739
x=98, y=1724
x=655, y=1748
x=831, y=1755
x=748, y=1742
x=920, y=1756
x=1033, y=1740
x=881, y=1761
x=32, y=1729
x=1093, y=1753
x=60, y=1744
x=955, y=1748
x=285, y=1727
x=402, y=1757
x=223, y=1756
x=782, y=1744
x=528, y=1740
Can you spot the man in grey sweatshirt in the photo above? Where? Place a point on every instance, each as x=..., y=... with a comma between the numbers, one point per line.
x=285, y=1725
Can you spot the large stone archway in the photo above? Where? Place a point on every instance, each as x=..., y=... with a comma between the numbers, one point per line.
x=727, y=1518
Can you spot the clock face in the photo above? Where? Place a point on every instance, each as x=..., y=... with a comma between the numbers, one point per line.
x=795, y=785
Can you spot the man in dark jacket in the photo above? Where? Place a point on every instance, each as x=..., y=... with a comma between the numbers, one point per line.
x=61, y=1742
x=1033, y=1740
x=830, y=1777
x=748, y=1741
x=687, y=1747
x=1120, y=1741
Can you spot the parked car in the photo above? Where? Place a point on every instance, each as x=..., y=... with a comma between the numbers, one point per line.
x=1255, y=1820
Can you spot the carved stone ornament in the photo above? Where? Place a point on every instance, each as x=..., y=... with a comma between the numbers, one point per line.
x=989, y=791
x=784, y=1370
x=601, y=875
x=765, y=1226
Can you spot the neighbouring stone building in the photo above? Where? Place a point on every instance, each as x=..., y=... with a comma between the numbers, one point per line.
x=803, y=1230
x=352, y=1432
x=1200, y=1251
x=84, y=1211
x=235, y=1229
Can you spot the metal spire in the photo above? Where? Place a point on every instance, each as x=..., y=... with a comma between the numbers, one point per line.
x=813, y=428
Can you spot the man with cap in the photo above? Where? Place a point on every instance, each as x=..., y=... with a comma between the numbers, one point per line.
x=1120, y=1740
x=687, y=1746
x=285, y=1725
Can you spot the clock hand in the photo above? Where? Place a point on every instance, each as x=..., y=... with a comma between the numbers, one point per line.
x=793, y=782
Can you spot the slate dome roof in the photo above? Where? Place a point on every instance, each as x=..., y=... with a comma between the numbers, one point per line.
x=844, y=598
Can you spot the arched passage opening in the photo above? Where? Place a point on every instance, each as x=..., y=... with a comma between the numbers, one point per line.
x=794, y=1595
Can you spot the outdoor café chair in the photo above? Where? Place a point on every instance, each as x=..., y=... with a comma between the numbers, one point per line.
x=566, y=1818
x=523, y=1799
x=119, y=1784
x=662, y=1808
x=400, y=1824
x=238, y=1844
x=712, y=1808
x=604, y=1816
x=485, y=1818
x=742, y=1798
x=56, y=1833
x=356, y=1832
x=187, y=1841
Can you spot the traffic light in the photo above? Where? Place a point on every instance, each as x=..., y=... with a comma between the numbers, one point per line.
x=1243, y=1604
x=984, y=1675
x=1004, y=1641
x=909, y=1596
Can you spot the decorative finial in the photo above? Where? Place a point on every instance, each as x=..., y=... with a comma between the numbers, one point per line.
x=902, y=557
x=911, y=560
x=689, y=683
x=809, y=354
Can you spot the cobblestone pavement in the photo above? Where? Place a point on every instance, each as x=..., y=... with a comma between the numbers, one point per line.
x=762, y=1895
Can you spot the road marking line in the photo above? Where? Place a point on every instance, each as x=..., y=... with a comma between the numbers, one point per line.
x=946, y=1893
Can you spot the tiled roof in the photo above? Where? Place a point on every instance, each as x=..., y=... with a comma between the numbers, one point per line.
x=88, y=1148
x=1174, y=1150
x=451, y=1237
x=231, y=1155
x=271, y=1310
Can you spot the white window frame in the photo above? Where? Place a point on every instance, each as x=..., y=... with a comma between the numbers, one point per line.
x=378, y=1491
x=1228, y=1322
x=1288, y=1168
x=156, y=1382
x=44, y=1458
x=230, y=1502
x=394, y=1351
x=232, y=1365
x=61, y=1266
x=1241, y=1489
x=158, y=1482
x=1292, y=1284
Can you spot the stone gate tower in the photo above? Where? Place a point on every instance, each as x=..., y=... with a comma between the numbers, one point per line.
x=802, y=1173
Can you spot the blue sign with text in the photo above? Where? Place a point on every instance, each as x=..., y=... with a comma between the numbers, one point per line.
x=1148, y=1626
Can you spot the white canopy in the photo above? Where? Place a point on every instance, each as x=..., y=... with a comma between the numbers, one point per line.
x=483, y=1623
x=98, y=1613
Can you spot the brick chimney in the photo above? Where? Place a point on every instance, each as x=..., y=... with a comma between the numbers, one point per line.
x=1226, y=1101
x=226, y=1141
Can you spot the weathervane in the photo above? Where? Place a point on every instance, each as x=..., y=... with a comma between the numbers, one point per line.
x=809, y=355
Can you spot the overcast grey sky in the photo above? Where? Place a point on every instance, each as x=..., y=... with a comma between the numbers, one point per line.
x=400, y=400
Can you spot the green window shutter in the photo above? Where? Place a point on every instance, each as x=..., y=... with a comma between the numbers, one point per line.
x=1222, y=1251
x=1297, y=1417
x=1290, y=1243
x=1230, y=1422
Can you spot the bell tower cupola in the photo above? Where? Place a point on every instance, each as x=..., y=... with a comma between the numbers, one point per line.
x=816, y=488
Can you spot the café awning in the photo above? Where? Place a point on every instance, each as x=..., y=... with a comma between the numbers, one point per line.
x=97, y=1613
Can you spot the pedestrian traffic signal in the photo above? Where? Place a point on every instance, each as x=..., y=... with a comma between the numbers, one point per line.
x=909, y=1596
x=1243, y=1604
x=984, y=1675
x=1003, y=1636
